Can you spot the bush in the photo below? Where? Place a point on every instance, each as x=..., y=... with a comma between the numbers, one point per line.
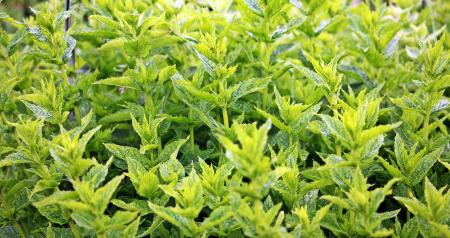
x=246, y=118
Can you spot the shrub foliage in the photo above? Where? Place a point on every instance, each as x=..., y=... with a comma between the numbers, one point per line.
x=221, y=118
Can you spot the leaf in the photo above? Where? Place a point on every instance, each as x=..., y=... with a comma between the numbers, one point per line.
x=97, y=174
x=61, y=18
x=123, y=217
x=186, y=225
x=148, y=184
x=390, y=48
x=321, y=214
x=249, y=86
x=393, y=171
x=336, y=200
x=197, y=93
x=18, y=36
x=104, y=194
x=254, y=7
x=355, y=72
x=132, y=229
x=14, y=159
x=171, y=170
x=36, y=32
x=128, y=154
x=276, y=122
x=440, y=105
x=38, y=111
x=422, y=168
x=116, y=43
x=373, y=132
x=335, y=128
x=208, y=65
x=314, y=77
x=83, y=219
x=410, y=229
x=170, y=151
x=305, y=117
x=123, y=81
x=107, y=21
x=218, y=216
x=293, y=23
x=71, y=43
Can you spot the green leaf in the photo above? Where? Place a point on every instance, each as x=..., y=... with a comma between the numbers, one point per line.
x=335, y=127
x=38, y=111
x=313, y=76
x=208, y=65
x=128, y=154
x=373, y=132
x=71, y=43
x=123, y=81
x=107, y=21
x=132, y=229
x=123, y=217
x=218, y=216
x=83, y=219
x=186, y=225
x=276, y=122
x=249, y=86
x=255, y=7
x=18, y=36
x=422, y=168
x=170, y=151
x=104, y=194
x=14, y=159
x=171, y=170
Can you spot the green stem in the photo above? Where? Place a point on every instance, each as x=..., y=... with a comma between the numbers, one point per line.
x=159, y=145
x=152, y=155
x=222, y=89
x=64, y=73
x=338, y=145
x=430, y=8
x=191, y=131
x=225, y=117
x=75, y=231
x=76, y=110
x=19, y=229
x=426, y=125
x=191, y=137
x=266, y=61
x=338, y=150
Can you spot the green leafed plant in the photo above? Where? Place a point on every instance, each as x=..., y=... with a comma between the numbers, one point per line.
x=224, y=118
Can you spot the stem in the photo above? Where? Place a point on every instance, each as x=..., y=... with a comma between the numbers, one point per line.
x=338, y=150
x=266, y=61
x=426, y=124
x=75, y=230
x=64, y=74
x=76, y=110
x=191, y=137
x=222, y=87
x=19, y=229
x=225, y=117
x=67, y=26
x=159, y=145
x=191, y=131
x=430, y=8
x=338, y=146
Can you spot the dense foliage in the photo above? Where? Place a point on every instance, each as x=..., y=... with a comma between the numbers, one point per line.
x=246, y=118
